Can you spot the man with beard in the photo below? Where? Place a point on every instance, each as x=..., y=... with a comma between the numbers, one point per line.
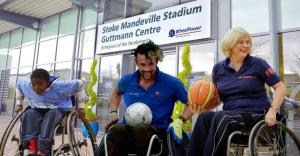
x=154, y=88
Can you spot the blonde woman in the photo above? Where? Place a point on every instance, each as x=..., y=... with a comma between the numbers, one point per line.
x=240, y=80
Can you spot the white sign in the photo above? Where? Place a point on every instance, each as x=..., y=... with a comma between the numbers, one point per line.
x=189, y=21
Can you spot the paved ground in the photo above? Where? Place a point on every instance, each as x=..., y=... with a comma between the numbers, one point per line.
x=4, y=120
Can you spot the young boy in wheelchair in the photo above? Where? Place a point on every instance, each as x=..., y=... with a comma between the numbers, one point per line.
x=49, y=99
x=154, y=88
x=240, y=80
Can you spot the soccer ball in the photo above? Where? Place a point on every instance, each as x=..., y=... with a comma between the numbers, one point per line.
x=138, y=113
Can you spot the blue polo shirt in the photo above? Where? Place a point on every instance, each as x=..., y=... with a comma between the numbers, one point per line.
x=244, y=90
x=160, y=96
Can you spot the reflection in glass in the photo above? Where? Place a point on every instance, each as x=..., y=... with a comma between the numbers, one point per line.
x=68, y=22
x=15, y=38
x=3, y=57
x=168, y=65
x=4, y=41
x=49, y=27
x=63, y=70
x=289, y=11
x=8, y=106
x=202, y=58
x=28, y=36
x=109, y=76
x=87, y=41
x=13, y=58
x=65, y=48
x=291, y=65
x=113, y=10
x=261, y=48
x=27, y=54
x=47, y=51
x=48, y=67
x=253, y=15
x=89, y=18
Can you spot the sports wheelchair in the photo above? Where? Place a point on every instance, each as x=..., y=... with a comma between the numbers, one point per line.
x=174, y=148
x=68, y=139
x=262, y=140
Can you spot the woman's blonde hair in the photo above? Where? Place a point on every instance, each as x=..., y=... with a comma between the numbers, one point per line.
x=231, y=38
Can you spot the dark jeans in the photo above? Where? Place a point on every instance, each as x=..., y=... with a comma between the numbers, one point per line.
x=212, y=130
x=39, y=124
x=124, y=139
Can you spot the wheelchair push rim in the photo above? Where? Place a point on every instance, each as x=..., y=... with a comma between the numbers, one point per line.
x=275, y=140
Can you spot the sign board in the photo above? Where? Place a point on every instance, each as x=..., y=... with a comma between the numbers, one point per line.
x=189, y=21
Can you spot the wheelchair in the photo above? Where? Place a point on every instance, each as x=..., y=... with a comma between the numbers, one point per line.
x=262, y=140
x=174, y=148
x=68, y=139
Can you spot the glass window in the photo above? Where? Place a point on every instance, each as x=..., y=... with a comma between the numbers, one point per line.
x=4, y=40
x=65, y=48
x=68, y=22
x=251, y=14
x=25, y=72
x=27, y=54
x=29, y=36
x=261, y=48
x=291, y=65
x=109, y=76
x=47, y=52
x=168, y=65
x=289, y=11
x=144, y=6
x=15, y=38
x=8, y=106
x=89, y=18
x=3, y=57
x=113, y=10
x=48, y=67
x=13, y=58
x=202, y=58
x=63, y=70
x=87, y=42
x=49, y=27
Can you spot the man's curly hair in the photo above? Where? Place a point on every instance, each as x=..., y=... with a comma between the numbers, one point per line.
x=150, y=50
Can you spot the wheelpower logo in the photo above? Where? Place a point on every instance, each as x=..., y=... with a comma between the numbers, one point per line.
x=184, y=32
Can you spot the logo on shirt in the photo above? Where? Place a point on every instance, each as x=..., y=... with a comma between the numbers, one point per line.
x=157, y=93
x=135, y=94
x=269, y=72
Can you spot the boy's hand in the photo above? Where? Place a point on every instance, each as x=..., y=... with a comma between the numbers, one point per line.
x=18, y=108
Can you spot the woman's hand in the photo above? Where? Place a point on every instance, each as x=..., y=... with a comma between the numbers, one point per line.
x=270, y=117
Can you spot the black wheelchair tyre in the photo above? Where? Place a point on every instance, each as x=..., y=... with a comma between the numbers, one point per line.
x=262, y=131
x=5, y=137
x=76, y=145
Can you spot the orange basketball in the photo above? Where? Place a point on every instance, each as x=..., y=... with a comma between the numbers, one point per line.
x=203, y=95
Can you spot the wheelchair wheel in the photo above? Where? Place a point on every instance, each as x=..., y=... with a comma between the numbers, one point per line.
x=80, y=146
x=276, y=140
x=11, y=142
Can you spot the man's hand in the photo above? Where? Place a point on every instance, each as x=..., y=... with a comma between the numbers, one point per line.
x=175, y=128
x=113, y=118
x=81, y=113
x=18, y=108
